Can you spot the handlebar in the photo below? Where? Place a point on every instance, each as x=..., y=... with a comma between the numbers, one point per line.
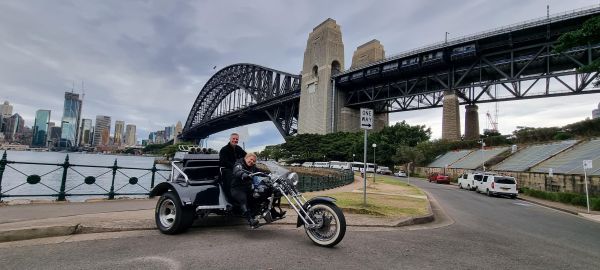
x=258, y=174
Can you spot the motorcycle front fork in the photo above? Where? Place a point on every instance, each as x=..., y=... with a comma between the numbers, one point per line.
x=297, y=201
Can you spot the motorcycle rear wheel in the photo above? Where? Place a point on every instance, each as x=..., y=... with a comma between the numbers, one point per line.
x=332, y=224
x=171, y=216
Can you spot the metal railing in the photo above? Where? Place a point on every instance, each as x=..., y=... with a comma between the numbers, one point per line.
x=310, y=183
x=69, y=169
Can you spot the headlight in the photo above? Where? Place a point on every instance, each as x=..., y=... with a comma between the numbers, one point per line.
x=293, y=178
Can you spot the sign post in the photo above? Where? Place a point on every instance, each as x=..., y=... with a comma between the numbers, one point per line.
x=366, y=122
x=587, y=164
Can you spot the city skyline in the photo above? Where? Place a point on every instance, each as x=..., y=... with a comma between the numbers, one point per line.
x=147, y=61
x=42, y=124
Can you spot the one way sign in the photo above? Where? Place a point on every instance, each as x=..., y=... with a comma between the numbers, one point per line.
x=366, y=118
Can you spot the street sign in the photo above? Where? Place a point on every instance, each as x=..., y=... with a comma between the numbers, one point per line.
x=366, y=118
x=587, y=164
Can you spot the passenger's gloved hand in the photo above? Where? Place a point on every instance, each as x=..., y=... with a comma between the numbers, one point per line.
x=246, y=176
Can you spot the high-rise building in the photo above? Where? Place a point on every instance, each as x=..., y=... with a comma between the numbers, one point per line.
x=152, y=138
x=130, y=138
x=178, y=129
x=14, y=127
x=6, y=109
x=169, y=133
x=118, y=137
x=596, y=112
x=70, y=120
x=101, y=131
x=86, y=133
x=5, y=113
x=160, y=137
x=54, y=135
x=40, y=128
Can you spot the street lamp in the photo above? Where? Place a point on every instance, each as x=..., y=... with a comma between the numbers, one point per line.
x=374, y=146
x=482, y=155
x=353, y=155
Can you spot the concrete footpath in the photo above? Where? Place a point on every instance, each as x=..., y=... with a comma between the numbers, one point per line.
x=38, y=220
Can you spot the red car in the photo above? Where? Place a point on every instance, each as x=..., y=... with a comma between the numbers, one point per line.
x=439, y=178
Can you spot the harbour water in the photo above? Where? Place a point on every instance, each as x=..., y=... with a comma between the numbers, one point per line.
x=14, y=178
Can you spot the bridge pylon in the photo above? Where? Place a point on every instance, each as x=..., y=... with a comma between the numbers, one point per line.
x=323, y=56
x=451, y=117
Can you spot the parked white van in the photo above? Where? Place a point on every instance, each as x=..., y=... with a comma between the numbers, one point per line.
x=307, y=164
x=470, y=180
x=321, y=165
x=340, y=165
x=499, y=185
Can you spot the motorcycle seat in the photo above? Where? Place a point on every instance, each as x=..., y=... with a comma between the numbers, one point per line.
x=201, y=175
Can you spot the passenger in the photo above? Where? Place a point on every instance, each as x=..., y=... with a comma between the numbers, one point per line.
x=231, y=152
x=241, y=187
x=228, y=155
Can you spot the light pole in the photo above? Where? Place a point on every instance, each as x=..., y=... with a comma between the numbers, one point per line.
x=353, y=155
x=374, y=170
x=482, y=155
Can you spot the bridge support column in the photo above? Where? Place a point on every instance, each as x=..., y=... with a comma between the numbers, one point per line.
x=323, y=56
x=451, y=117
x=471, y=122
x=348, y=120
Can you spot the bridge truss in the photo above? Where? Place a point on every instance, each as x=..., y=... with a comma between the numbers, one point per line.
x=243, y=94
x=498, y=76
x=512, y=63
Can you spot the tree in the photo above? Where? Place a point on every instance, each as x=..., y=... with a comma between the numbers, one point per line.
x=589, y=33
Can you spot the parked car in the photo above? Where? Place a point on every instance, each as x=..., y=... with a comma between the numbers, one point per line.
x=295, y=164
x=499, y=185
x=401, y=174
x=383, y=170
x=439, y=178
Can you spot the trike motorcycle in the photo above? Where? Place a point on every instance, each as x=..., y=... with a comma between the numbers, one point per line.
x=195, y=189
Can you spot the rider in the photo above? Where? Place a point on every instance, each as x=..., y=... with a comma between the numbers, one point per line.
x=241, y=186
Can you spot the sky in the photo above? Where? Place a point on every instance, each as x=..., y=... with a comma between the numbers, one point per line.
x=144, y=62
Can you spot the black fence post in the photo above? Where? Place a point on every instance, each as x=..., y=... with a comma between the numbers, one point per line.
x=153, y=174
x=2, y=166
x=111, y=194
x=63, y=182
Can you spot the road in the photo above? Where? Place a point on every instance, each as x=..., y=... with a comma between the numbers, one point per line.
x=486, y=233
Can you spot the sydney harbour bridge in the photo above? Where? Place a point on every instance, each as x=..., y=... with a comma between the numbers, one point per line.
x=509, y=63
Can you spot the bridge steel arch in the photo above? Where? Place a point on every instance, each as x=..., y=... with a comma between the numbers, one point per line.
x=251, y=94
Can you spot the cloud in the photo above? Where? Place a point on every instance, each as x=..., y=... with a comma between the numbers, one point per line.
x=144, y=62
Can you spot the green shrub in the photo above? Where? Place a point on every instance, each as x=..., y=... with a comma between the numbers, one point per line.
x=563, y=197
x=566, y=197
x=595, y=204
x=579, y=200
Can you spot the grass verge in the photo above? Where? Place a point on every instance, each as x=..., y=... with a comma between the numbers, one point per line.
x=387, y=197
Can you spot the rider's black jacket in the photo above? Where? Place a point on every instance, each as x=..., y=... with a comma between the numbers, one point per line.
x=229, y=155
x=240, y=174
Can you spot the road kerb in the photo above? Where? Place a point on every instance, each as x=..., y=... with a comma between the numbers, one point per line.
x=36, y=232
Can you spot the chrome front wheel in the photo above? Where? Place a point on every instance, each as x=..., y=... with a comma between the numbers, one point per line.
x=330, y=224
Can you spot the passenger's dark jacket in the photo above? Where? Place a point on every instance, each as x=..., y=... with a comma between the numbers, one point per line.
x=240, y=174
x=229, y=155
